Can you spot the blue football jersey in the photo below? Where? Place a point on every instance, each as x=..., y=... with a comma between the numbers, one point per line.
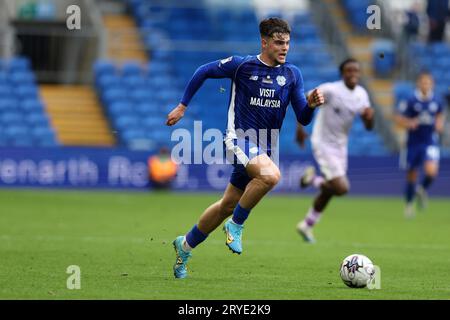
x=260, y=94
x=425, y=110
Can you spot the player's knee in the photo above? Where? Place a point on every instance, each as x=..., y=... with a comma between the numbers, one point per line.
x=431, y=172
x=411, y=176
x=270, y=179
x=341, y=189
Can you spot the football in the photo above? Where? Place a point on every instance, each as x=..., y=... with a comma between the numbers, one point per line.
x=357, y=271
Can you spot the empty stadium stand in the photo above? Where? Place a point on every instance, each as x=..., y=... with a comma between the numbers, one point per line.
x=23, y=117
x=178, y=39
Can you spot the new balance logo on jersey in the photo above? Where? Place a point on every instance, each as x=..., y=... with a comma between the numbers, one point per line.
x=254, y=78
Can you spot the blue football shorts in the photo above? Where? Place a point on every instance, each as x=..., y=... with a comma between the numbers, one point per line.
x=417, y=155
x=239, y=152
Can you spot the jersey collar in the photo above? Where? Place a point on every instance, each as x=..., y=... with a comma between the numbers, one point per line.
x=423, y=98
x=259, y=58
x=347, y=88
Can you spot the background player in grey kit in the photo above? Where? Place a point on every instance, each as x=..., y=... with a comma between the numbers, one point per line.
x=262, y=88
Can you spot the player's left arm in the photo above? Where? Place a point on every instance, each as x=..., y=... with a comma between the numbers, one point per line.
x=439, y=123
x=300, y=135
x=367, y=113
x=368, y=118
x=304, y=107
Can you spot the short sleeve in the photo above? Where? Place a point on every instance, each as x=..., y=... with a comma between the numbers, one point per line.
x=440, y=107
x=326, y=89
x=404, y=108
x=365, y=101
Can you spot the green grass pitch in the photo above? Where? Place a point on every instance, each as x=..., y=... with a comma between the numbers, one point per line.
x=122, y=243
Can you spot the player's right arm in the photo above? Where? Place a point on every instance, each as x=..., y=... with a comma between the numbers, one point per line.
x=439, y=125
x=440, y=119
x=300, y=134
x=225, y=68
x=404, y=117
x=304, y=106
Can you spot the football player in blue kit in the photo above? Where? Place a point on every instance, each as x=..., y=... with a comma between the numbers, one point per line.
x=422, y=116
x=262, y=87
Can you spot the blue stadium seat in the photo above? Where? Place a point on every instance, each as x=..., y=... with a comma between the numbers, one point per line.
x=138, y=95
x=443, y=62
x=426, y=62
x=16, y=64
x=126, y=121
x=22, y=77
x=16, y=130
x=418, y=49
x=11, y=118
x=102, y=67
x=27, y=91
x=135, y=82
x=383, y=48
x=4, y=76
x=32, y=105
x=21, y=110
x=5, y=90
x=152, y=40
x=131, y=68
x=46, y=141
x=151, y=122
x=46, y=10
x=146, y=108
x=403, y=90
x=43, y=133
x=356, y=11
x=21, y=141
x=130, y=134
x=440, y=49
x=3, y=140
x=159, y=69
x=106, y=81
x=8, y=104
x=159, y=135
x=302, y=18
x=113, y=94
x=121, y=107
x=37, y=119
x=161, y=81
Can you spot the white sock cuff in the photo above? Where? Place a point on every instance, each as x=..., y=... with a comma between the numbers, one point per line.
x=185, y=245
x=317, y=181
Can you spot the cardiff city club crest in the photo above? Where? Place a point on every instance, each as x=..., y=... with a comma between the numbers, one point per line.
x=433, y=106
x=281, y=80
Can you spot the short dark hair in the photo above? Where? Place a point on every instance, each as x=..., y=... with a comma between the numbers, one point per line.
x=269, y=26
x=345, y=62
x=423, y=73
